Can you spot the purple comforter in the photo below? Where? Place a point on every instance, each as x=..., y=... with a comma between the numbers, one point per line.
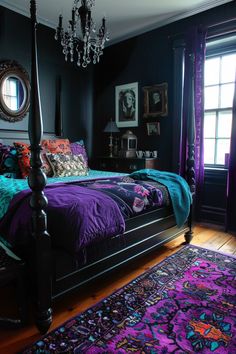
x=76, y=215
x=79, y=213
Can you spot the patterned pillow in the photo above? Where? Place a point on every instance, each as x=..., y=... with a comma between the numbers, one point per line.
x=78, y=148
x=56, y=146
x=23, y=153
x=8, y=161
x=64, y=165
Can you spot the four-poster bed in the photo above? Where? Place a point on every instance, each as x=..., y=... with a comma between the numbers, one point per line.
x=55, y=269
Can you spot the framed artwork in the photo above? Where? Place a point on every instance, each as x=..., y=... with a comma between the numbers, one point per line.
x=155, y=100
x=127, y=105
x=153, y=128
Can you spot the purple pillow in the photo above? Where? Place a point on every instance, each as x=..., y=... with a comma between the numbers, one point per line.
x=78, y=148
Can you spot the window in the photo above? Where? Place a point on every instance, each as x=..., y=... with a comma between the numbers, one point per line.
x=11, y=93
x=219, y=90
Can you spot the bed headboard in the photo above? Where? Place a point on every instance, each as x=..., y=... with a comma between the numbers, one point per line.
x=9, y=136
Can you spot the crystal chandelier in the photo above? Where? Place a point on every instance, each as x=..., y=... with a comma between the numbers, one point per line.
x=81, y=42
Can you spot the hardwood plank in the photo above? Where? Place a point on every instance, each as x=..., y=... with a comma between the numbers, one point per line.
x=12, y=341
x=229, y=246
x=217, y=240
x=208, y=237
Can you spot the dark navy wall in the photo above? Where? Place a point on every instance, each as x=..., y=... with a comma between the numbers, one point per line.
x=146, y=59
x=14, y=45
x=77, y=84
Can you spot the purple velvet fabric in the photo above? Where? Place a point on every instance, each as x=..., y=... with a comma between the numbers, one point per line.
x=200, y=51
x=231, y=182
x=194, y=69
x=91, y=214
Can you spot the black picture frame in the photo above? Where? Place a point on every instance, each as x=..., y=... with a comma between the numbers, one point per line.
x=126, y=101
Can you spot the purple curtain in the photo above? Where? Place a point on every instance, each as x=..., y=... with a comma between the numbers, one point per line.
x=193, y=112
x=231, y=182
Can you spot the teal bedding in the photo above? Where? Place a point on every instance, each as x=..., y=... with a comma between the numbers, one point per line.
x=178, y=188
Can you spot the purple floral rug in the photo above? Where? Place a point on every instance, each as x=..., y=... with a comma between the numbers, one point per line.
x=185, y=304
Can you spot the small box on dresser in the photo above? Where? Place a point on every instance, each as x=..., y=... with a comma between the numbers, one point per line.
x=121, y=164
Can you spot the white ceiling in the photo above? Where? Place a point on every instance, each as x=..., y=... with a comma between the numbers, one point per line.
x=125, y=18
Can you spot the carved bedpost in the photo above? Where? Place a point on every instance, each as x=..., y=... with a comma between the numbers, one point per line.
x=38, y=201
x=190, y=171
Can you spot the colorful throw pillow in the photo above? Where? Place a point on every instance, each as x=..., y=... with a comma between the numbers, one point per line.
x=56, y=146
x=8, y=161
x=78, y=148
x=23, y=153
x=64, y=165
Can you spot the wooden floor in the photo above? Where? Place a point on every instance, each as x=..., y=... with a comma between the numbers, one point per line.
x=12, y=341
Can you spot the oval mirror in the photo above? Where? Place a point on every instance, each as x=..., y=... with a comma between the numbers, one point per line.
x=14, y=91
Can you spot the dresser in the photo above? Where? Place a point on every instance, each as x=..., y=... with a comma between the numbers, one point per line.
x=121, y=164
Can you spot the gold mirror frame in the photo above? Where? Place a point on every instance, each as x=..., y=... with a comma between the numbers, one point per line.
x=11, y=68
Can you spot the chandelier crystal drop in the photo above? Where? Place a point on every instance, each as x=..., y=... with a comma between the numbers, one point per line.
x=81, y=42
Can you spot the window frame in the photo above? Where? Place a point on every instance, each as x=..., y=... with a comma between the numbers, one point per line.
x=223, y=45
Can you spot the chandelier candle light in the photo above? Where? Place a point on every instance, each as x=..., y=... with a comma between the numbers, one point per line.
x=81, y=42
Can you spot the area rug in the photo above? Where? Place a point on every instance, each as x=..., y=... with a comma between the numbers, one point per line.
x=185, y=304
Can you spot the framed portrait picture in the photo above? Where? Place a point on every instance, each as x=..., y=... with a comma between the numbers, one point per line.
x=153, y=128
x=155, y=100
x=126, y=97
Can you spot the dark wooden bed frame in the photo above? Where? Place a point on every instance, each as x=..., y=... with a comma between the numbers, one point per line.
x=143, y=233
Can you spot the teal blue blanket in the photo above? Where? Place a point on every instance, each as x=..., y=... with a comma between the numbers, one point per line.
x=178, y=189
